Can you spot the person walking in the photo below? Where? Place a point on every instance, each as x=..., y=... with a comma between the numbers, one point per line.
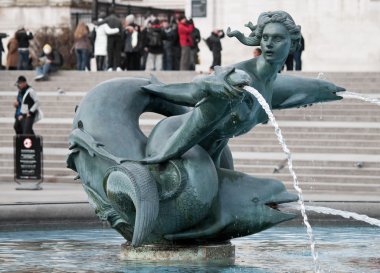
x=30, y=106
x=23, y=37
x=82, y=45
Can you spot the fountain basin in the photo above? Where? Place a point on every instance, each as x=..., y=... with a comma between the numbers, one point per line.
x=222, y=253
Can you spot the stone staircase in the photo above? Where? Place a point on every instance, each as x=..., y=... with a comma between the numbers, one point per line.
x=335, y=146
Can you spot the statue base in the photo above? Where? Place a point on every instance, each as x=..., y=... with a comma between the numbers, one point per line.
x=193, y=253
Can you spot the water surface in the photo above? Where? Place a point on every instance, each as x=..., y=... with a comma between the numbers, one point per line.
x=280, y=249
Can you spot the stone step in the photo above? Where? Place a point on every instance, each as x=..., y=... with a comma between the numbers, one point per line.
x=49, y=171
x=299, y=142
x=272, y=163
x=5, y=178
x=307, y=149
x=309, y=170
x=319, y=179
x=46, y=163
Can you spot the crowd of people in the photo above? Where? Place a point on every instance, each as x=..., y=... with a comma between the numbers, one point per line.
x=119, y=44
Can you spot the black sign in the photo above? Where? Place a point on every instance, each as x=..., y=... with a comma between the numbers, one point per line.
x=28, y=158
x=199, y=8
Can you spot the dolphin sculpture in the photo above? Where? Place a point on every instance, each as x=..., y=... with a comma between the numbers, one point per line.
x=192, y=193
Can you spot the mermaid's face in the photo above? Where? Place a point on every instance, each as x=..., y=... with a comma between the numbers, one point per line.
x=275, y=43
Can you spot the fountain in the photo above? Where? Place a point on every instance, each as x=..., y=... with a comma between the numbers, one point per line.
x=167, y=191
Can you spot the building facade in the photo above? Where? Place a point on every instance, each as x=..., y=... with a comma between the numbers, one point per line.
x=340, y=35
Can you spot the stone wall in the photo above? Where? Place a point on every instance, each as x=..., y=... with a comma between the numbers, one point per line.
x=340, y=35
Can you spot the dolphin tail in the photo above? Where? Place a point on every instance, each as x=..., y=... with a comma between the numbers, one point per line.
x=132, y=181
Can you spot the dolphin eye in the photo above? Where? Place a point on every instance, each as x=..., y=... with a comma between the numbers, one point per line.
x=240, y=85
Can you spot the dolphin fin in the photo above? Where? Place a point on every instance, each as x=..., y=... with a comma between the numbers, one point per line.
x=154, y=79
x=294, y=100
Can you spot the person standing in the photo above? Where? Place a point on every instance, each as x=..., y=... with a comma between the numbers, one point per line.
x=18, y=116
x=23, y=36
x=100, y=44
x=214, y=44
x=12, y=55
x=297, y=54
x=2, y=35
x=184, y=31
x=289, y=62
x=29, y=111
x=257, y=52
x=196, y=38
x=168, y=57
x=132, y=44
x=82, y=45
x=114, y=41
x=155, y=36
x=176, y=46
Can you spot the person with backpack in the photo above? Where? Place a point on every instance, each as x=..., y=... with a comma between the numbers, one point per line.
x=49, y=61
x=153, y=44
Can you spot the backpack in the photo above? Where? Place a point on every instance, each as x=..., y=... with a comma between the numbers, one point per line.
x=59, y=57
x=154, y=38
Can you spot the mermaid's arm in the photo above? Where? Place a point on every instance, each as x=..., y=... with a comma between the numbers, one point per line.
x=291, y=91
x=187, y=94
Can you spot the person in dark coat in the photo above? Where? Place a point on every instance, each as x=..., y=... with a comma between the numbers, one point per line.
x=196, y=38
x=114, y=41
x=153, y=42
x=132, y=44
x=18, y=116
x=214, y=44
x=171, y=35
x=23, y=36
x=298, y=53
x=49, y=61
